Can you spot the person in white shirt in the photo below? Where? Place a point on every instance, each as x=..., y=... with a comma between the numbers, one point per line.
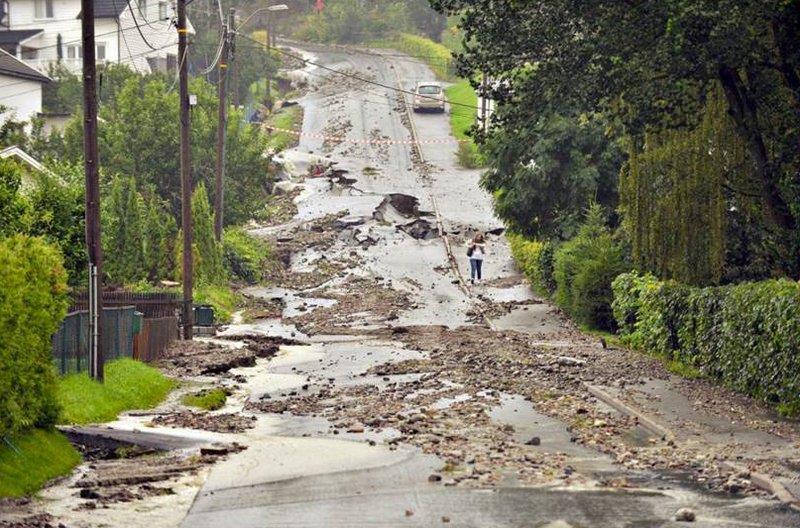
x=476, y=251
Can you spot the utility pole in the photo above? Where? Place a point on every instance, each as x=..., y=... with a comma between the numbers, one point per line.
x=186, y=176
x=484, y=105
x=222, y=122
x=92, y=174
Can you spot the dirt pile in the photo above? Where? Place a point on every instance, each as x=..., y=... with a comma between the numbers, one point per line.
x=195, y=358
x=360, y=301
x=218, y=423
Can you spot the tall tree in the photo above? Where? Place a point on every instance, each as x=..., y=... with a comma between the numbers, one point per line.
x=650, y=64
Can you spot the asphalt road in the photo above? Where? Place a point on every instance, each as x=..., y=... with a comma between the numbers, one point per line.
x=300, y=477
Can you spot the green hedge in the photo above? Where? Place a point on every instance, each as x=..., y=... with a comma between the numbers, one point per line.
x=747, y=335
x=535, y=259
x=33, y=301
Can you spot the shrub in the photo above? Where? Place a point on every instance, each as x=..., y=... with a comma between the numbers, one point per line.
x=746, y=335
x=535, y=260
x=584, y=269
x=438, y=56
x=244, y=255
x=33, y=301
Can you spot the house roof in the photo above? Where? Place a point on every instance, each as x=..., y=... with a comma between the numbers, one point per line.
x=108, y=8
x=23, y=156
x=17, y=36
x=13, y=67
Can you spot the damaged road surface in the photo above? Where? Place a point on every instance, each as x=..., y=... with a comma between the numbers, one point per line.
x=404, y=397
x=372, y=386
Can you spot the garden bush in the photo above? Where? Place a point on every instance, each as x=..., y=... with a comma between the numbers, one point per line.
x=244, y=255
x=747, y=335
x=584, y=268
x=535, y=260
x=33, y=301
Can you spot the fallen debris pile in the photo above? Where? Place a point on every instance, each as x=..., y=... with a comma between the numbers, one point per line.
x=218, y=423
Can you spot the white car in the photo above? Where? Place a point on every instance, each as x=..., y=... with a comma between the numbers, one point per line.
x=429, y=96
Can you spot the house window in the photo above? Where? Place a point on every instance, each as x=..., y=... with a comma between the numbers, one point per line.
x=74, y=51
x=162, y=11
x=100, y=51
x=143, y=7
x=43, y=8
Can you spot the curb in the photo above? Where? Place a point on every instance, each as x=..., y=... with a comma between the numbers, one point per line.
x=759, y=480
x=768, y=484
x=644, y=420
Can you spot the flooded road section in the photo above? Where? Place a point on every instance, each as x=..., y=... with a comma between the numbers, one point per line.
x=377, y=388
x=410, y=399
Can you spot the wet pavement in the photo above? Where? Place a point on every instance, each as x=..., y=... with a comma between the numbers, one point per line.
x=346, y=449
x=399, y=396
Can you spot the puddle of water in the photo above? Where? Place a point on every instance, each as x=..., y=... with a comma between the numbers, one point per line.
x=270, y=327
x=277, y=459
x=296, y=355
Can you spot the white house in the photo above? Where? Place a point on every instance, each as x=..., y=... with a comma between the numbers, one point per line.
x=20, y=88
x=42, y=32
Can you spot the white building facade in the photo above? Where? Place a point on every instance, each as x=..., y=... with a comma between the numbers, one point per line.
x=45, y=32
x=20, y=89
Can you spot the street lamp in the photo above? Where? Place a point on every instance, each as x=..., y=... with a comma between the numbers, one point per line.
x=270, y=33
x=268, y=9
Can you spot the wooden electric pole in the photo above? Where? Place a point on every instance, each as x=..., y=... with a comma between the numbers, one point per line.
x=92, y=174
x=222, y=121
x=186, y=176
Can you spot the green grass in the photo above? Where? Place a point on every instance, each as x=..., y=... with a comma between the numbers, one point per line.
x=437, y=56
x=31, y=459
x=129, y=384
x=224, y=300
x=682, y=369
x=210, y=400
x=461, y=118
x=287, y=118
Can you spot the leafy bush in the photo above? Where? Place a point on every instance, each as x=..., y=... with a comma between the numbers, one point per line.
x=584, y=269
x=244, y=255
x=534, y=259
x=33, y=301
x=221, y=298
x=746, y=335
x=13, y=206
x=57, y=201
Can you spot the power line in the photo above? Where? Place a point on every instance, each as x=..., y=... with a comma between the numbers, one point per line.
x=362, y=79
x=125, y=38
x=37, y=89
x=139, y=29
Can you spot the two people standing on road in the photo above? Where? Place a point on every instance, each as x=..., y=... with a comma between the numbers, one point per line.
x=476, y=250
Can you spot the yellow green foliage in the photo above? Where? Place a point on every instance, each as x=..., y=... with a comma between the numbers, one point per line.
x=33, y=301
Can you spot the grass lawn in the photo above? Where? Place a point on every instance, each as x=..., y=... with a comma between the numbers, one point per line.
x=129, y=384
x=31, y=459
x=287, y=118
x=461, y=119
x=210, y=400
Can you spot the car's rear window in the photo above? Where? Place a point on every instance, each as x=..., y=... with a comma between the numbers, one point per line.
x=429, y=90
